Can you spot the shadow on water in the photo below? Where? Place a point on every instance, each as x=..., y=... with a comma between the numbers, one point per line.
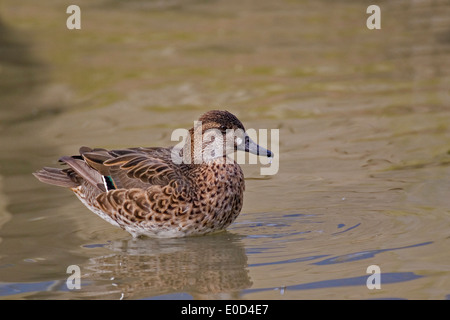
x=22, y=72
x=22, y=78
x=25, y=109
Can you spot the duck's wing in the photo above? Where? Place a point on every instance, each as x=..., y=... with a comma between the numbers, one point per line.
x=135, y=167
x=145, y=184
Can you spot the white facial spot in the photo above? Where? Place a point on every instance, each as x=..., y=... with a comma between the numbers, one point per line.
x=238, y=141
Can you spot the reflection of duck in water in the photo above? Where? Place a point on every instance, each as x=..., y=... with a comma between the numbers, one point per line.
x=145, y=268
x=146, y=192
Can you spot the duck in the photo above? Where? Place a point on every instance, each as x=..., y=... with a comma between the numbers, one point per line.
x=193, y=188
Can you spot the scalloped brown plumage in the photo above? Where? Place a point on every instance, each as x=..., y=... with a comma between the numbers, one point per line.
x=143, y=191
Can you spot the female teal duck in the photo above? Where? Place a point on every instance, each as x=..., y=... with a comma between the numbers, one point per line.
x=194, y=189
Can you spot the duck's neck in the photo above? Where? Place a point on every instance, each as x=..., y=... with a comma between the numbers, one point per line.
x=196, y=151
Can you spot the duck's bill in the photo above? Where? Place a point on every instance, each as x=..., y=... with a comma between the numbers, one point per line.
x=252, y=147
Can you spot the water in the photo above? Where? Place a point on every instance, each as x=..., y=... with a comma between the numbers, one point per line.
x=364, y=145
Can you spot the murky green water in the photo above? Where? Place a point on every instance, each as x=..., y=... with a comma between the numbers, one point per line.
x=363, y=114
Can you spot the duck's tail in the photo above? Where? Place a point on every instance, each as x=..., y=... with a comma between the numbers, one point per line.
x=55, y=177
x=78, y=173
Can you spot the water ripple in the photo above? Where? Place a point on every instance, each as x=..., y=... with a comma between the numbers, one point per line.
x=363, y=254
x=387, y=278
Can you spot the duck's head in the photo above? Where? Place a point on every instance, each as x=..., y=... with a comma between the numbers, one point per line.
x=220, y=133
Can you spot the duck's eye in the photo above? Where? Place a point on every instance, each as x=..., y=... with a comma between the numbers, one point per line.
x=223, y=129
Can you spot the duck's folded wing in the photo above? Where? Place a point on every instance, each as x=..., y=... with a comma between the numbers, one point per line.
x=136, y=168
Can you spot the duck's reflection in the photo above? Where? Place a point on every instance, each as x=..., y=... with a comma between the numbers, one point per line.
x=209, y=267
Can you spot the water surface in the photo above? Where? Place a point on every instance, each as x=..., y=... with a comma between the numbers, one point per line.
x=364, y=145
